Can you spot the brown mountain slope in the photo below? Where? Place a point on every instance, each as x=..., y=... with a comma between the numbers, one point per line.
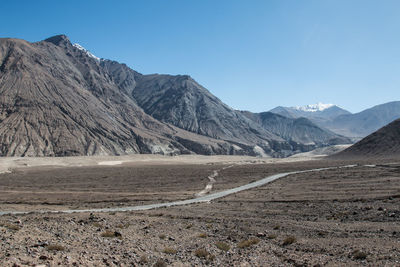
x=383, y=143
x=55, y=100
x=182, y=102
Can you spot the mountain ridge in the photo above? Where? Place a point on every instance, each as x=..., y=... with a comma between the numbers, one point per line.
x=58, y=100
x=352, y=125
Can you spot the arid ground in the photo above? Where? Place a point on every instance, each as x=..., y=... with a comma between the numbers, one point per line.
x=336, y=217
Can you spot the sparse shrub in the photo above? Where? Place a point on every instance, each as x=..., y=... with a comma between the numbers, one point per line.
x=97, y=224
x=108, y=234
x=289, y=240
x=162, y=236
x=55, y=247
x=248, y=243
x=143, y=259
x=201, y=253
x=169, y=250
x=211, y=257
x=359, y=255
x=111, y=234
x=223, y=246
x=277, y=227
x=160, y=263
x=202, y=235
x=12, y=227
x=123, y=226
x=272, y=236
x=322, y=233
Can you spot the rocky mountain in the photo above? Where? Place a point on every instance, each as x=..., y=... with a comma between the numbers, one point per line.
x=300, y=130
x=365, y=122
x=181, y=101
x=342, y=122
x=384, y=143
x=316, y=112
x=57, y=100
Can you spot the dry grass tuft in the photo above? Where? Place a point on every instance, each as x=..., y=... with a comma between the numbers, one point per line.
x=123, y=225
x=223, y=246
x=97, y=224
x=272, y=236
x=202, y=235
x=201, y=253
x=248, y=243
x=12, y=226
x=55, y=247
x=160, y=263
x=111, y=234
x=359, y=255
x=169, y=250
x=143, y=259
x=289, y=240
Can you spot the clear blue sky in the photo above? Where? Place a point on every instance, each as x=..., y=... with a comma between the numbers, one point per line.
x=253, y=55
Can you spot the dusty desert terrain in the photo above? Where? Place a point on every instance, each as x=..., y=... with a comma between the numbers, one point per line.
x=336, y=217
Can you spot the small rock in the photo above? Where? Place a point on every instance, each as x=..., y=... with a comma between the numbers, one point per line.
x=40, y=244
x=260, y=234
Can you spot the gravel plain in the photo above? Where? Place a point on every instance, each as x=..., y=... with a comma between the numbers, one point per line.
x=337, y=217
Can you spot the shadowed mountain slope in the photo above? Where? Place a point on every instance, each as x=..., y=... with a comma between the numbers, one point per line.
x=299, y=130
x=383, y=143
x=365, y=122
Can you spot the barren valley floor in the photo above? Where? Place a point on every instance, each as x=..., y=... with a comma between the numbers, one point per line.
x=342, y=217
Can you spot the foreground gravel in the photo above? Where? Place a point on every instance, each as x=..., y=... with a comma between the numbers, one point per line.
x=338, y=217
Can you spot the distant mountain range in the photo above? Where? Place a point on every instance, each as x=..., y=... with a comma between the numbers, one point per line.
x=344, y=123
x=58, y=99
x=297, y=130
x=318, y=112
x=384, y=143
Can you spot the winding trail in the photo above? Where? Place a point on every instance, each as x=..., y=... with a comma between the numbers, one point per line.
x=210, y=184
x=200, y=199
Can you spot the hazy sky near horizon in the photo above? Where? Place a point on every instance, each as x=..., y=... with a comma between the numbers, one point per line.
x=254, y=55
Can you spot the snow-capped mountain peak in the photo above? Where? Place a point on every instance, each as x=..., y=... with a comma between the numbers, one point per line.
x=86, y=51
x=314, y=107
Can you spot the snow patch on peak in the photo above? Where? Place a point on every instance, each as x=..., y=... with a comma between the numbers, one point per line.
x=314, y=107
x=86, y=51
